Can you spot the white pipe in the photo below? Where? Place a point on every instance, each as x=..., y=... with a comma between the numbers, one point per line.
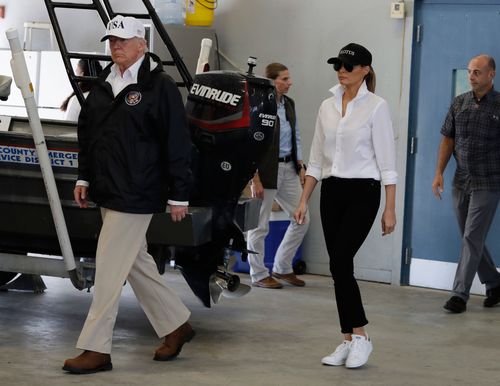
x=206, y=45
x=23, y=82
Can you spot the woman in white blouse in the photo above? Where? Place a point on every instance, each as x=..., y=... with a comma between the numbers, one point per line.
x=353, y=153
x=71, y=105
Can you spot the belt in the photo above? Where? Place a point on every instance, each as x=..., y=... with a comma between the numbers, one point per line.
x=288, y=158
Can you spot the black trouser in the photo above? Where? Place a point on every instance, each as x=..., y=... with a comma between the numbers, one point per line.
x=348, y=208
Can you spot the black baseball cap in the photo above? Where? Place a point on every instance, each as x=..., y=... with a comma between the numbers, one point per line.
x=353, y=54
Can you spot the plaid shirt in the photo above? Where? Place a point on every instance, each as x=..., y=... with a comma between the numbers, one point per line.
x=475, y=127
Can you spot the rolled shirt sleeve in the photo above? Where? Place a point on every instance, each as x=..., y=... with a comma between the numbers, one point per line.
x=384, y=144
x=316, y=154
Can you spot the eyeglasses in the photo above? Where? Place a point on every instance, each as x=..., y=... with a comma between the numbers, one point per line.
x=347, y=66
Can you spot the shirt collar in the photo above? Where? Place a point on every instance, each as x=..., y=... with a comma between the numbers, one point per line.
x=338, y=90
x=488, y=96
x=130, y=72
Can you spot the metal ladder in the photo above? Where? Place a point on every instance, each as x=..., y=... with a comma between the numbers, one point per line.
x=106, y=13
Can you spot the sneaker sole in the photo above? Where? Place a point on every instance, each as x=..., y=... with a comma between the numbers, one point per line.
x=356, y=366
x=327, y=363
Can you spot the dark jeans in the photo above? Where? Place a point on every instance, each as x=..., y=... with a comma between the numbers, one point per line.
x=348, y=208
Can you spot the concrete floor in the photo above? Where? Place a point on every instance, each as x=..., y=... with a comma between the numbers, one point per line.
x=268, y=338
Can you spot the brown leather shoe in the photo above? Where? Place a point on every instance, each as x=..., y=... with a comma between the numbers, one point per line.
x=268, y=282
x=88, y=362
x=290, y=278
x=173, y=343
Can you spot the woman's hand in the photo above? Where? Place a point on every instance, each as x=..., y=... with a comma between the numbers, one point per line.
x=300, y=213
x=388, y=221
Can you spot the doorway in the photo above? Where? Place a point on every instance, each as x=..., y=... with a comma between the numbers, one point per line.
x=447, y=34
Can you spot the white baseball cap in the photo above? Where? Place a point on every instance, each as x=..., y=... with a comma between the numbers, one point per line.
x=124, y=27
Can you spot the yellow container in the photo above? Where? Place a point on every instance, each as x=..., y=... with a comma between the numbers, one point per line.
x=200, y=12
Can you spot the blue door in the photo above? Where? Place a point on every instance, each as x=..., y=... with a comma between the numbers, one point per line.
x=447, y=34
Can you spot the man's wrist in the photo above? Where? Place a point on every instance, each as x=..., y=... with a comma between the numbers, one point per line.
x=82, y=183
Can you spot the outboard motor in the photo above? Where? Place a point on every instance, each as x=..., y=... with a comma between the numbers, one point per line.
x=232, y=118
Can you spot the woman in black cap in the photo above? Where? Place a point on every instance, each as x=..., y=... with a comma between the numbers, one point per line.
x=352, y=152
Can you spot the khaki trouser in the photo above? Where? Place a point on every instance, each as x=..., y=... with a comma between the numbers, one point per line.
x=287, y=195
x=122, y=256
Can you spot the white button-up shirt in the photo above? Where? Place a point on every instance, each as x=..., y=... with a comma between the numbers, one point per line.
x=358, y=145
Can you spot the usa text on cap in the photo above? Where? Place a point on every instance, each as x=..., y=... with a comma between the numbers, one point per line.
x=125, y=28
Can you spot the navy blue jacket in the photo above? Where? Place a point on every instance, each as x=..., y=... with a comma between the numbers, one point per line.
x=135, y=147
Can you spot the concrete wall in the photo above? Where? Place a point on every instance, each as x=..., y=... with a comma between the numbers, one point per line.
x=303, y=34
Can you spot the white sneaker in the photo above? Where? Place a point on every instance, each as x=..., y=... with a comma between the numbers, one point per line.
x=339, y=356
x=359, y=351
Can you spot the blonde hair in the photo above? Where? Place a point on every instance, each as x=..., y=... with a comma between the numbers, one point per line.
x=371, y=80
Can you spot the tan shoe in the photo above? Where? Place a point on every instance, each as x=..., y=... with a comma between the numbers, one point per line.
x=173, y=343
x=88, y=362
x=290, y=278
x=268, y=282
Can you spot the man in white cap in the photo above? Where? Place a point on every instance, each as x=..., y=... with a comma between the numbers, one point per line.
x=133, y=161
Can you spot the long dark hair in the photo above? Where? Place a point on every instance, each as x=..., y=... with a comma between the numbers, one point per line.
x=89, y=67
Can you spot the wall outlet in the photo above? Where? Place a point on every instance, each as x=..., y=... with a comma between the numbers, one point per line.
x=398, y=10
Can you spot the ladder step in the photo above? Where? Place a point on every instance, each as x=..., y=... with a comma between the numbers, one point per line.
x=78, y=55
x=73, y=5
x=136, y=15
x=84, y=78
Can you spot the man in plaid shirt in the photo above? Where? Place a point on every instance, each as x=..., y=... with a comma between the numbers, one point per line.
x=471, y=132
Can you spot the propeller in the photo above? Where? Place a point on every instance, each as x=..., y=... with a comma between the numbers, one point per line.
x=224, y=284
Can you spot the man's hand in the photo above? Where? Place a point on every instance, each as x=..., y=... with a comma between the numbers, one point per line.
x=446, y=148
x=178, y=212
x=438, y=185
x=80, y=194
